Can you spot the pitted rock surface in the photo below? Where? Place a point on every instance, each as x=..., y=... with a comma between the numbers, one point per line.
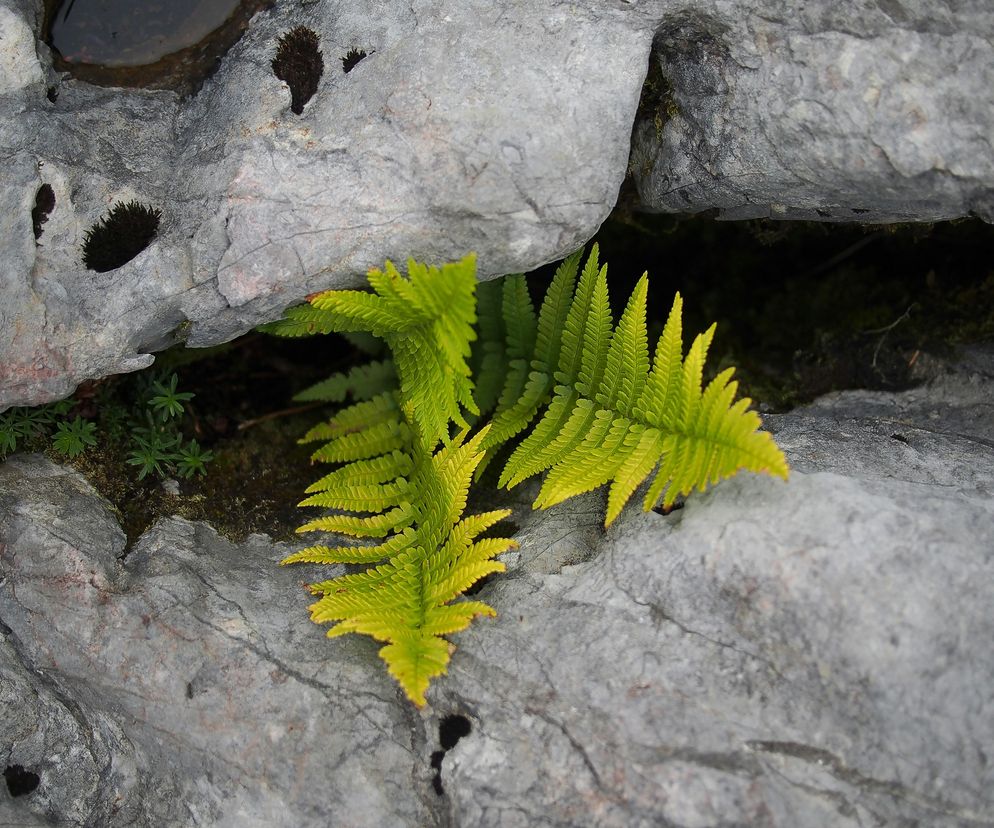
x=502, y=128
x=806, y=653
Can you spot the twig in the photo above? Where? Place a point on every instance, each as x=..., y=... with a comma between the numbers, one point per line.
x=272, y=415
x=886, y=329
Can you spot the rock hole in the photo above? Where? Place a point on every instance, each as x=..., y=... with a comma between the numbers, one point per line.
x=473, y=590
x=450, y=731
x=189, y=690
x=436, y=780
x=299, y=64
x=20, y=782
x=44, y=204
x=859, y=210
x=124, y=233
x=52, y=94
x=351, y=59
x=900, y=438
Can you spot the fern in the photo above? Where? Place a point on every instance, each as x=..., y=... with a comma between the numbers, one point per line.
x=598, y=409
x=431, y=556
x=609, y=416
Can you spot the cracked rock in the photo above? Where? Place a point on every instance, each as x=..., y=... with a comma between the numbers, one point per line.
x=808, y=653
x=174, y=687
x=503, y=128
x=868, y=112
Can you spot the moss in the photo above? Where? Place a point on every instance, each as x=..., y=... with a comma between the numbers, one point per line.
x=351, y=59
x=300, y=64
x=120, y=236
x=657, y=103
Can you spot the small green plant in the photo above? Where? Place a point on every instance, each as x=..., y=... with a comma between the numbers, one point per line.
x=167, y=402
x=156, y=441
x=31, y=427
x=604, y=413
x=72, y=438
x=145, y=424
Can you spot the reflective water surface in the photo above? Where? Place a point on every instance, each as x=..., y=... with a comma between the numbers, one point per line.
x=129, y=33
x=156, y=43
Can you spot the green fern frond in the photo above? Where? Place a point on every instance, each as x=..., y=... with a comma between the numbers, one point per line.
x=427, y=320
x=302, y=320
x=601, y=411
x=489, y=359
x=612, y=417
x=433, y=556
x=361, y=382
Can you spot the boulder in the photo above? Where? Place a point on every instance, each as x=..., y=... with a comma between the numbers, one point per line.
x=874, y=113
x=503, y=128
x=808, y=653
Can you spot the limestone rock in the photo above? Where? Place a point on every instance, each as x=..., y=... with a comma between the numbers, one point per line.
x=173, y=687
x=808, y=653
x=503, y=128
x=821, y=111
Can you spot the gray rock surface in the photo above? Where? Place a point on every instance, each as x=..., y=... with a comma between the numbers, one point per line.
x=503, y=128
x=499, y=128
x=804, y=654
x=869, y=112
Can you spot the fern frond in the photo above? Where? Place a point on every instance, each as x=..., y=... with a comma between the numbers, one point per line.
x=362, y=382
x=609, y=416
x=374, y=553
x=434, y=558
x=531, y=375
x=383, y=408
x=489, y=358
x=602, y=411
x=427, y=320
x=302, y=320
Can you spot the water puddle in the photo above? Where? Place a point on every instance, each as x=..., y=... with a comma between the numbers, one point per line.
x=161, y=44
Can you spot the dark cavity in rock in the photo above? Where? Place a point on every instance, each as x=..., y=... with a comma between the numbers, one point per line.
x=299, y=64
x=20, y=781
x=161, y=44
x=44, y=204
x=124, y=233
x=351, y=59
x=450, y=731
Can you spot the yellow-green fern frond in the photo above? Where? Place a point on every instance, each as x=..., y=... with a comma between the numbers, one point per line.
x=434, y=555
x=533, y=350
x=613, y=417
x=426, y=318
x=302, y=320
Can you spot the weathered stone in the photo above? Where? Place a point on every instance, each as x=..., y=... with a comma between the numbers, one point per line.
x=794, y=655
x=470, y=126
x=808, y=653
x=503, y=128
x=174, y=687
x=821, y=111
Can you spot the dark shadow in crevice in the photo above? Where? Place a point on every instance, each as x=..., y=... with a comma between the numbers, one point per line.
x=44, y=204
x=20, y=782
x=450, y=731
